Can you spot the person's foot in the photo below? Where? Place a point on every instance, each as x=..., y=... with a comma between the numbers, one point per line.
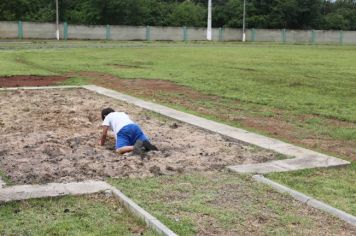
x=149, y=146
x=142, y=147
x=138, y=149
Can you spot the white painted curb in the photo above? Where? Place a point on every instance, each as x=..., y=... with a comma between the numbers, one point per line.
x=308, y=200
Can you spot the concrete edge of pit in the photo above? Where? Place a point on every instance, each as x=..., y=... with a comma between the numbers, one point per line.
x=139, y=212
x=26, y=192
x=348, y=218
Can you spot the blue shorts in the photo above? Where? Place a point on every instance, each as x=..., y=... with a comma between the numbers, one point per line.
x=128, y=135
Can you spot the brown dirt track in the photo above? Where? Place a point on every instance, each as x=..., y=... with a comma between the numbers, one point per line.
x=30, y=80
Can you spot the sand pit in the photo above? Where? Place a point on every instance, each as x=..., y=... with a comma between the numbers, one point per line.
x=53, y=136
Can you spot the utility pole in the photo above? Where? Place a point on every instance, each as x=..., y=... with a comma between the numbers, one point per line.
x=244, y=23
x=208, y=36
x=57, y=21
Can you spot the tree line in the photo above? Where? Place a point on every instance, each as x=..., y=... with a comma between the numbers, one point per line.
x=268, y=14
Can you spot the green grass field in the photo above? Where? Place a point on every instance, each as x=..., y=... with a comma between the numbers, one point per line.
x=87, y=215
x=316, y=80
x=303, y=94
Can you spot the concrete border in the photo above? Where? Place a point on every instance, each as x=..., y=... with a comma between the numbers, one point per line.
x=303, y=158
x=307, y=200
x=23, y=192
x=139, y=212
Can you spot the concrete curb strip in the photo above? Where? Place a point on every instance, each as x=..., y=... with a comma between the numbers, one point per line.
x=142, y=214
x=304, y=158
x=23, y=192
x=308, y=200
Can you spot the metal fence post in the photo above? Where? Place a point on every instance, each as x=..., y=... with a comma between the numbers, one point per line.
x=284, y=35
x=148, y=33
x=65, y=31
x=185, y=34
x=108, y=32
x=253, y=35
x=313, y=37
x=341, y=39
x=20, y=30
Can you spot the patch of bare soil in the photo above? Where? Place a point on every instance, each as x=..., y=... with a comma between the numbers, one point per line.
x=144, y=87
x=53, y=136
x=30, y=80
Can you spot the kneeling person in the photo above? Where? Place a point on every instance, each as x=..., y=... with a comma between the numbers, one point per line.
x=129, y=136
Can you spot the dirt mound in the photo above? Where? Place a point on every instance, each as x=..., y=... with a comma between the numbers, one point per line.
x=30, y=80
x=53, y=136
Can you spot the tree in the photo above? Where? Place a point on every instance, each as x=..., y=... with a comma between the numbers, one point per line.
x=187, y=13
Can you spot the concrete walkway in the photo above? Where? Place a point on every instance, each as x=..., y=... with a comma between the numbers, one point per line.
x=303, y=158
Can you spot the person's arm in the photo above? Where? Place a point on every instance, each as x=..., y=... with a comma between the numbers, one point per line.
x=103, y=135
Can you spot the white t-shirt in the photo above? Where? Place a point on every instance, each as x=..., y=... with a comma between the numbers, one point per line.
x=117, y=120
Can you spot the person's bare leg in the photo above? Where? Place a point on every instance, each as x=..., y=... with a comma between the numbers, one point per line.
x=125, y=149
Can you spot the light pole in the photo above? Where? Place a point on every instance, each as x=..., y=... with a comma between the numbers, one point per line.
x=57, y=21
x=244, y=23
x=208, y=36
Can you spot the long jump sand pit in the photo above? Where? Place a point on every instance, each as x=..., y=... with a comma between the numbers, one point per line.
x=53, y=136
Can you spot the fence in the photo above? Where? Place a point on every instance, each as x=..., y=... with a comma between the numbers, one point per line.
x=30, y=30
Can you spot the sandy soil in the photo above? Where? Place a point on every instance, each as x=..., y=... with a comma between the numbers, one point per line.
x=53, y=136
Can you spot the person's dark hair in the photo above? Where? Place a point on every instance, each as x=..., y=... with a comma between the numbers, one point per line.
x=106, y=112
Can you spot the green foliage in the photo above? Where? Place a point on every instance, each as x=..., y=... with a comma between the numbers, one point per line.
x=188, y=14
x=293, y=14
